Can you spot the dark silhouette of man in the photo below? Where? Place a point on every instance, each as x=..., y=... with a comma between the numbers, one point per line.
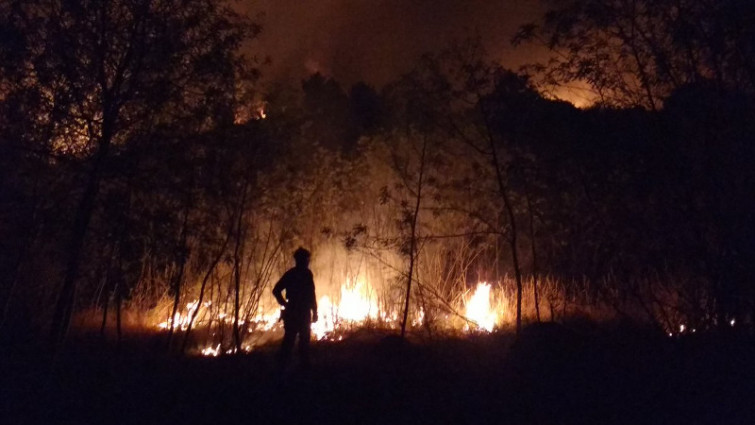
x=299, y=306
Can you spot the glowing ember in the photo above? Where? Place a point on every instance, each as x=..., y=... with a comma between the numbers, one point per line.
x=478, y=308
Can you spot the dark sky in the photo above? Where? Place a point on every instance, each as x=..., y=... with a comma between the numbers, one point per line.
x=378, y=40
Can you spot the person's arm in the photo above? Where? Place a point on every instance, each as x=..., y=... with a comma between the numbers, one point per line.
x=313, y=298
x=278, y=290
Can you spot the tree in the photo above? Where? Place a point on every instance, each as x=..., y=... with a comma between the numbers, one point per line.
x=636, y=52
x=99, y=74
x=462, y=96
x=330, y=122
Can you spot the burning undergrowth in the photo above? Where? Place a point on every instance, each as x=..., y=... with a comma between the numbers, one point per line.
x=358, y=291
x=356, y=305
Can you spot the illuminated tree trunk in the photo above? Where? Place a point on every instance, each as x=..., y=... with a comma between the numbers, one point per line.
x=268, y=258
x=237, y=268
x=202, y=288
x=413, y=240
x=178, y=278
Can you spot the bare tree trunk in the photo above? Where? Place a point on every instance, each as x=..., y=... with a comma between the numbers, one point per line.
x=106, y=290
x=178, y=279
x=118, y=302
x=515, y=259
x=413, y=241
x=427, y=320
x=256, y=292
x=237, y=269
x=64, y=306
x=120, y=286
x=534, y=258
x=105, y=311
x=206, y=279
x=507, y=204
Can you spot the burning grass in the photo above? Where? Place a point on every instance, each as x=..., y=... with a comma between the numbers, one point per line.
x=483, y=308
x=355, y=305
x=361, y=303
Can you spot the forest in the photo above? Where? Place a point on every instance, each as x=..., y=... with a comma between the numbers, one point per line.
x=144, y=169
x=152, y=181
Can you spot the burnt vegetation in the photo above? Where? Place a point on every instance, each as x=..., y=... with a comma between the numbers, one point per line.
x=144, y=166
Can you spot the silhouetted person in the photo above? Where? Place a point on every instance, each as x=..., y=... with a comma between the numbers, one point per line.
x=299, y=304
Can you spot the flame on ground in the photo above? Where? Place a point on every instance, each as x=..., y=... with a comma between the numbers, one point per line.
x=357, y=305
x=478, y=308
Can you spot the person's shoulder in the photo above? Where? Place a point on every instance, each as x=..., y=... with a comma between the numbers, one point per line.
x=304, y=273
x=289, y=273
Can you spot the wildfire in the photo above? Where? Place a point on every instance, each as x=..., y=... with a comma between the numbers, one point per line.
x=326, y=320
x=357, y=302
x=182, y=319
x=356, y=305
x=479, y=310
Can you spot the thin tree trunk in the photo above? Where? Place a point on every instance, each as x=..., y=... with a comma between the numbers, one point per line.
x=105, y=311
x=206, y=279
x=120, y=286
x=106, y=290
x=64, y=306
x=426, y=321
x=179, y=275
x=534, y=258
x=496, y=164
x=237, y=270
x=262, y=275
x=413, y=241
x=118, y=293
x=118, y=304
x=515, y=259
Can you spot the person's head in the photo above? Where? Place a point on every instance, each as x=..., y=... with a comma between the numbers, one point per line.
x=301, y=256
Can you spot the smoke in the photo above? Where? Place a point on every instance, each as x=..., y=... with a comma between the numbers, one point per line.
x=377, y=40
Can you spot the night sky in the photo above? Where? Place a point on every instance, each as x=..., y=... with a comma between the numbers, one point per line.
x=378, y=40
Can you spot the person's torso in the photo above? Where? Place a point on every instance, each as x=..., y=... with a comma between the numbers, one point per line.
x=299, y=289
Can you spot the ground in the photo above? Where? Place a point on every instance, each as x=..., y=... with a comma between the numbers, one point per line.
x=550, y=375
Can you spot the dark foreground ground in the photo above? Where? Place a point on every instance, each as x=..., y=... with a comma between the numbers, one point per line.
x=550, y=376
